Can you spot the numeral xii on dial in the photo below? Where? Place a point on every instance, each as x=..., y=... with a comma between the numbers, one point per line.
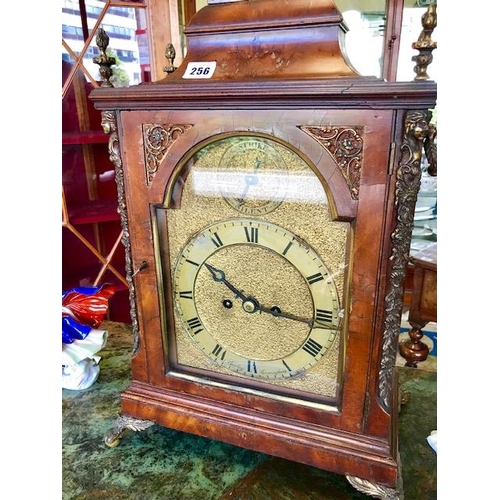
x=252, y=234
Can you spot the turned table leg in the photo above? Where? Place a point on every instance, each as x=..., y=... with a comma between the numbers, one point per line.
x=423, y=306
x=413, y=349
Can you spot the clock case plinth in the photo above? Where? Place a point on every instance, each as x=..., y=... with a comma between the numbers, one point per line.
x=278, y=73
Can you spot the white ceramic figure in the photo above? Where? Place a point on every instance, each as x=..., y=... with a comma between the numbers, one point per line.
x=83, y=309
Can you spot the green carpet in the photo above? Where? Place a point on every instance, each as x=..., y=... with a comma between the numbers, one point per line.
x=162, y=464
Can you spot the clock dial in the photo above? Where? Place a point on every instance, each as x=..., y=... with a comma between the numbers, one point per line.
x=244, y=276
x=252, y=175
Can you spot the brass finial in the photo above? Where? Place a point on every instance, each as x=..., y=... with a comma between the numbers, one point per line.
x=103, y=60
x=424, y=44
x=170, y=55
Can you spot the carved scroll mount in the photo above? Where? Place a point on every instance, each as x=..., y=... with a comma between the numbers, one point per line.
x=408, y=176
x=108, y=123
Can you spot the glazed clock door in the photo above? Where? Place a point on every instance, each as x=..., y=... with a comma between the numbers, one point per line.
x=257, y=295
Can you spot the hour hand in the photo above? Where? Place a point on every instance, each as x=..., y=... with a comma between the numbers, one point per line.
x=219, y=276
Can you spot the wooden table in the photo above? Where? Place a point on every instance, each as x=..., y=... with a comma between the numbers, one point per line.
x=423, y=305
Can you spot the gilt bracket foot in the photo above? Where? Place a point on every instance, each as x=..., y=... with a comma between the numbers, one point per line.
x=377, y=490
x=124, y=422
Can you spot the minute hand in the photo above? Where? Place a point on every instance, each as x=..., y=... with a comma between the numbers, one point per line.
x=311, y=322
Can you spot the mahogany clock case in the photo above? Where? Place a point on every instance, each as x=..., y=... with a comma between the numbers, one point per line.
x=357, y=434
x=360, y=139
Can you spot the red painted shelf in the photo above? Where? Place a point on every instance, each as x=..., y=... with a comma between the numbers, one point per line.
x=84, y=137
x=94, y=212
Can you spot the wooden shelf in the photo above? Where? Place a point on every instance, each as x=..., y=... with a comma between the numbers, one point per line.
x=84, y=137
x=93, y=253
x=96, y=211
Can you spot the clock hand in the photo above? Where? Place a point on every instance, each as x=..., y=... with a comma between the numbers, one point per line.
x=219, y=276
x=251, y=304
x=276, y=312
x=250, y=180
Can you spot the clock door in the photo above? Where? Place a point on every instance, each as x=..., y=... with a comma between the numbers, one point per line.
x=257, y=295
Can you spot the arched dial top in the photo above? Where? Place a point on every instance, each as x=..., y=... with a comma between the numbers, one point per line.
x=256, y=299
x=253, y=176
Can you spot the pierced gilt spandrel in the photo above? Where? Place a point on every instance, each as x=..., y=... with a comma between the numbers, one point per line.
x=295, y=200
x=345, y=145
x=158, y=138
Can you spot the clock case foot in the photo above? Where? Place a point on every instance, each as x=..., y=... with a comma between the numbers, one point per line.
x=377, y=490
x=124, y=422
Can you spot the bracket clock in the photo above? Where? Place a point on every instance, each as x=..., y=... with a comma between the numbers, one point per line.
x=267, y=193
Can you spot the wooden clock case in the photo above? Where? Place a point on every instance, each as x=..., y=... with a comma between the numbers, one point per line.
x=279, y=72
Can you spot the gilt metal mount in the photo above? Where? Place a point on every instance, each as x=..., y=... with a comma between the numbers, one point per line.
x=170, y=56
x=123, y=423
x=103, y=60
x=425, y=45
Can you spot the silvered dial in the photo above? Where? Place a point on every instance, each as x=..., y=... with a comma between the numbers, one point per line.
x=256, y=299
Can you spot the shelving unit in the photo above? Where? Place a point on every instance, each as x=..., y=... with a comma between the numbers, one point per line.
x=91, y=242
x=92, y=252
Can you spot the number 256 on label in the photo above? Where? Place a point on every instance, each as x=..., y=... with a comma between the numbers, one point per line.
x=200, y=69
